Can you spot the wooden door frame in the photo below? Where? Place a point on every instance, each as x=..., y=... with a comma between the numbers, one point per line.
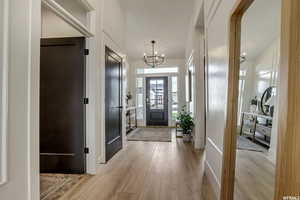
x=287, y=173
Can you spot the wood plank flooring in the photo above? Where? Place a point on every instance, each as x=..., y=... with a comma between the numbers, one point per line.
x=255, y=176
x=147, y=171
x=171, y=171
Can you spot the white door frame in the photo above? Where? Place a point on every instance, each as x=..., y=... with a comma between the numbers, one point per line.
x=107, y=41
x=21, y=52
x=66, y=16
x=169, y=75
x=3, y=89
x=88, y=31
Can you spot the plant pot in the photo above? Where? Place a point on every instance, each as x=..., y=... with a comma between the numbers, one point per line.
x=186, y=137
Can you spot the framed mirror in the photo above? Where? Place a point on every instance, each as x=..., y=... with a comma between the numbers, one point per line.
x=258, y=78
x=3, y=89
x=251, y=133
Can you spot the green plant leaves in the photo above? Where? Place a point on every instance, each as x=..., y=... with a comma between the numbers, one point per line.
x=186, y=121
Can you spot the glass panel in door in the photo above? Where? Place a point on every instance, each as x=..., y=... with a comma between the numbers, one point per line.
x=156, y=94
x=157, y=101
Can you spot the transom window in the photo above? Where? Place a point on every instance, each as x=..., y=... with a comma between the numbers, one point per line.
x=160, y=70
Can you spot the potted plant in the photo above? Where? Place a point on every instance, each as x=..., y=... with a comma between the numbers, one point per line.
x=186, y=123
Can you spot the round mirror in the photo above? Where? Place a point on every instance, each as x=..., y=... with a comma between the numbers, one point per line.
x=268, y=101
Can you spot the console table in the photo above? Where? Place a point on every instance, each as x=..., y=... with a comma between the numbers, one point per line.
x=131, y=120
x=253, y=124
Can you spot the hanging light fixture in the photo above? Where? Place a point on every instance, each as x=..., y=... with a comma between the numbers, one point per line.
x=154, y=60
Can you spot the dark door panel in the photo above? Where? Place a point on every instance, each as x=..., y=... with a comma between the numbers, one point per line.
x=62, y=112
x=157, y=101
x=113, y=103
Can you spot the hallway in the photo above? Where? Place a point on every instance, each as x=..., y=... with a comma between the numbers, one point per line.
x=146, y=171
x=93, y=91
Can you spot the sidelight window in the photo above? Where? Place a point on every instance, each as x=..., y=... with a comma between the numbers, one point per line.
x=140, y=98
x=174, y=97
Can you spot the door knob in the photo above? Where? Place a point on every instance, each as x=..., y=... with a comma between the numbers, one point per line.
x=120, y=107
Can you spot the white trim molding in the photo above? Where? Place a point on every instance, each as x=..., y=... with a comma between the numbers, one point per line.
x=68, y=17
x=212, y=179
x=88, y=31
x=86, y=5
x=107, y=41
x=3, y=90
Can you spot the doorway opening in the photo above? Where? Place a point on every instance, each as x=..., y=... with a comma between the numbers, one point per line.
x=113, y=103
x=63, y=146
x=157, y=101
x=171, y=81
x=62, y=108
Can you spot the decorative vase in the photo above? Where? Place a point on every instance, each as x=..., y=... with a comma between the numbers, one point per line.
x=253, y=108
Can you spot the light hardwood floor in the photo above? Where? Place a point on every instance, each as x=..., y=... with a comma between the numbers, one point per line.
x=171, y=171
x=255, y=176
x=146, y=171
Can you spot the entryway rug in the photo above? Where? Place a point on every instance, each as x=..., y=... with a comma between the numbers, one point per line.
x=151, y=135
x=54, y=186
x=244, y=143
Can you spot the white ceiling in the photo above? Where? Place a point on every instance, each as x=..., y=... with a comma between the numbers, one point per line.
x=165, y=21
x=260, y=26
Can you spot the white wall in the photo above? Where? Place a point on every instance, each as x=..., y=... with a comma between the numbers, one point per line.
x=114, y=22
x=217, y=14
x=268, y=61
x=54, y=27
x=76, y=8
x=92, y=89
x=195, y=58
x=249, y=67
x=23, y=110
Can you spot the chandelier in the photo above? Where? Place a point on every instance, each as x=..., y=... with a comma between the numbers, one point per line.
x=154, y=60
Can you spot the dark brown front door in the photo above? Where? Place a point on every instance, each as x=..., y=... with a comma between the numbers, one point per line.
x=157, y=101
x=113, y=103
x=62, y=111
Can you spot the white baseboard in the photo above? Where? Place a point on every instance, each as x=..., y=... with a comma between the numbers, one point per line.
x=213, y=180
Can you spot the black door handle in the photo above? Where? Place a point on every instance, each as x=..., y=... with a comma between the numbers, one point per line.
x=120, y=107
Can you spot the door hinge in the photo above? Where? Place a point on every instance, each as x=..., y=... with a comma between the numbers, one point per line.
x=86, y=150
x=86, y=101
x=86, y=52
